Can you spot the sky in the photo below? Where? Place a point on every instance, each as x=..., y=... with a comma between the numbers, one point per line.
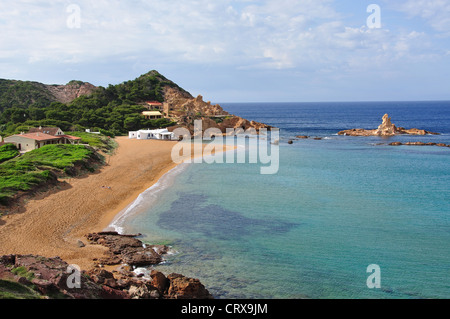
x=236, y=51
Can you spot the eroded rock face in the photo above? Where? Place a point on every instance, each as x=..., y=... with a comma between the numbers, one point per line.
x=69, y=92
x=185, y=109
x=387, y=128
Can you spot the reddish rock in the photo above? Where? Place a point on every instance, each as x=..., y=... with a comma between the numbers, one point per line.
x=126, y=249
x=182, y=287
x=159, y=281
x=51, y=277
x=387, y=128
x=416, y=143
x=110, y=293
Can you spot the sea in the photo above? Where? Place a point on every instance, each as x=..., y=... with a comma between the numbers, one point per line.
x=343, y=218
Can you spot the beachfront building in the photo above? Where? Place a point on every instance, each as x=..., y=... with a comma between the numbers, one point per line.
x=160, y=134
x=152, y=115
x=38, y=137
x=132, y=135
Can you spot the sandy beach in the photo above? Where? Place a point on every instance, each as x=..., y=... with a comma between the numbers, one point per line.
x=52, y=224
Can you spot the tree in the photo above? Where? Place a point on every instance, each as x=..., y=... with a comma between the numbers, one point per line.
x=133, y=122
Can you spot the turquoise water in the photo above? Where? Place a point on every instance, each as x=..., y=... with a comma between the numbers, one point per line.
x=336, y=206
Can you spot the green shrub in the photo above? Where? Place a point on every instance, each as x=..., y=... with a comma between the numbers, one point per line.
x=23, y=272
x=35, y=167
x=7, y=152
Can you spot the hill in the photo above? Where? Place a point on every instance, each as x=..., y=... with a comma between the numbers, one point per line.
x=116, y=108
x=27, y=94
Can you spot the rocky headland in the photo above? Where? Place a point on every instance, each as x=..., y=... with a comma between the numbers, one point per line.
x=52, y=278
x=386, y=129
x=184, y=109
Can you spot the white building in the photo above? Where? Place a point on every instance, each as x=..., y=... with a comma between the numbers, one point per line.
x=161, y=134
x=132, y=134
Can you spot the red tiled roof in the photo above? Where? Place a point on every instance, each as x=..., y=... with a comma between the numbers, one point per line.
x=154, y=103
x=71, y=137
x=40, y=136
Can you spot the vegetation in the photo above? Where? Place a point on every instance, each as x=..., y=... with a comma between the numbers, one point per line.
x=23, y=272
x=7, y=152
x=97, y=141
x=112, y=111
x=41, y=166
x=115, y=109
x=23, y=95
x=14, y=290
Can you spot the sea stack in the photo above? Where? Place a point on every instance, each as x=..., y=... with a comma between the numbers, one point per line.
x=386, y=129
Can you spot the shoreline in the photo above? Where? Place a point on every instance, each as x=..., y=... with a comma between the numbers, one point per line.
x=118, y=222
x=55, y=223
x=141, y=197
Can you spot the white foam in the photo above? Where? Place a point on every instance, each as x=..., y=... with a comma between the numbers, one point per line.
x=145, y=199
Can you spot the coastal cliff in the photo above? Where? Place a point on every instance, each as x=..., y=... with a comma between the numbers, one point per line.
x=386, y=129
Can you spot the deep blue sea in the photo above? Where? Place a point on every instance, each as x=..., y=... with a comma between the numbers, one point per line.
x=336, y=206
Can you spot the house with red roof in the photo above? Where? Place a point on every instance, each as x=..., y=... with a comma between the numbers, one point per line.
x=38, y=137
x=154, y=105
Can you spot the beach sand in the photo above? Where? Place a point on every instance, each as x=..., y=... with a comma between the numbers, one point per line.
x=51, y=225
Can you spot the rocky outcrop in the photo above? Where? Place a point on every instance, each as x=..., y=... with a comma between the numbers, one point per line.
x=387, y=128
x=126, y=249
x=52, y=278
x=72, y=90
x=182, y=287
x=419, y=144
x=184, y=109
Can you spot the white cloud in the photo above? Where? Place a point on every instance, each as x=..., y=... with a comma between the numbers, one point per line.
x=309, y=37
x=435, y=12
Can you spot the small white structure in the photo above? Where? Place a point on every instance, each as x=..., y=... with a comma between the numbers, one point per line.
x=132, y=135
x=144, y=135
x=161, y=134
x=89, y=131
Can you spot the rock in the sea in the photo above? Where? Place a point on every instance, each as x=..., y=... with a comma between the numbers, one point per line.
x=416, y=143
x=127, y=249
x=387, y=128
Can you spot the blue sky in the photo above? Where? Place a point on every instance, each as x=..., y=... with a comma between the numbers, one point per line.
x=236, y=51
